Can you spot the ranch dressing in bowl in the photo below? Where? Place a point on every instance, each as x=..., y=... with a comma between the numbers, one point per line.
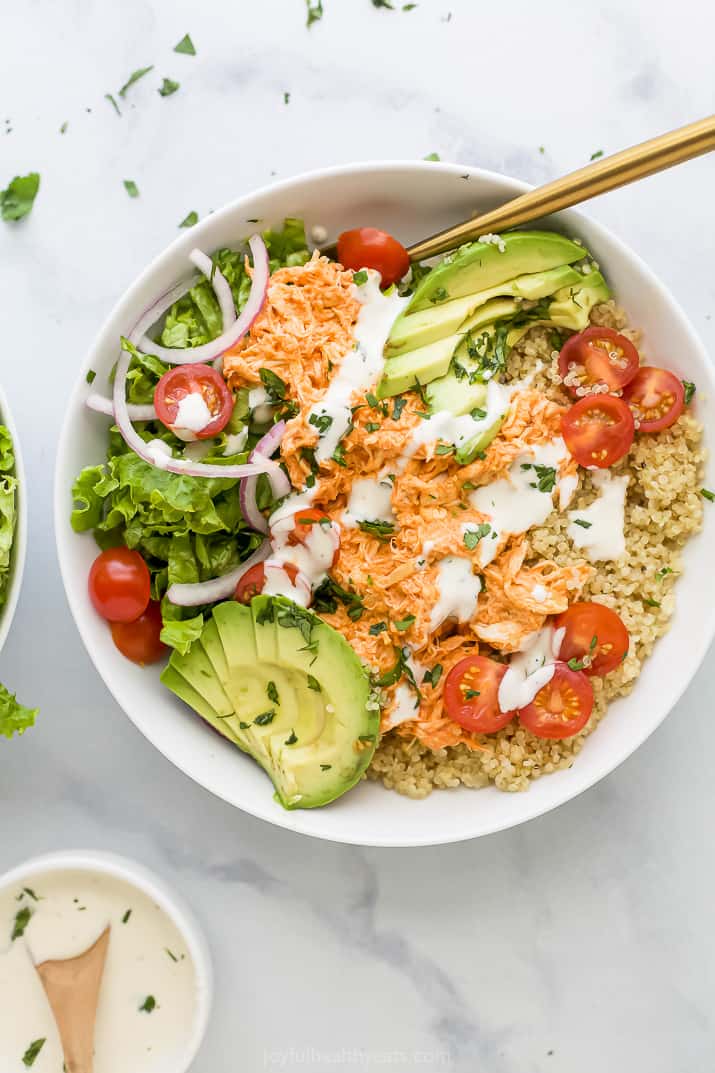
x=149, y=997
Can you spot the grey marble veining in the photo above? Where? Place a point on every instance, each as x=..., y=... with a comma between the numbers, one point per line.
x=580, y=942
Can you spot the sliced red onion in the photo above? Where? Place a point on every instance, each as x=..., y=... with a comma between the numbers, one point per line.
x=281, y=486
x=222, y=290
x=159, y=308
x=175, y=465
x=219, y=588
x=137, y=412
x=210, y=351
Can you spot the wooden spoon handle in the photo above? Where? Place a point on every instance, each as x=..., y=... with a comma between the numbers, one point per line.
x=596, y=178
x=72, y=988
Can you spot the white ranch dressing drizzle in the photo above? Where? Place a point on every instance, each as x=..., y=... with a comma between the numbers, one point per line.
x=406, y=703
x=159, y=452
x=459, y=589
x=278, y=583
x=74, y=909
x=370, y=500
x=530, y=669
x=603, y=537
x=313, y=555
x=514, y=504
x=458, y=431
x=361, y=368
x=192, y=415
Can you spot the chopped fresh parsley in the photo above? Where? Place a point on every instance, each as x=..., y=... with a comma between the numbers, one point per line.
x=134, y=77
x=382, y=531
x=292, y=739
x=372, y=426
x=444, y=449
x=470, y=694
x=690, y=390
x=663, y=571
x=377, y=628
x=17, y=199
x=477, y=413
x=148, y=1004
x=272, y=692
x=112, y=100
x=375, y=404
x=314, y=684
x=315, y=11
x=432, y=677
x=545, y=476
x=397, y=407
x=126, y=916
x=583, y=523
x=339, y=455
x=190, y=219
x=359, y=278
x=403, y=624
x=440, y=295
x=22, y=919
x=327, y=595
x=597, y=154
x=275, y=387
x=432, y=156
x=265, y=718
x=185, y=46
x=30, y=894
x=28, y=1058
x=325, y=767
x=91, y=376
x=473, y=536
x=707, y=494
x=167, y=87
x=320, y=421
x=131, y=188
x=649, y=602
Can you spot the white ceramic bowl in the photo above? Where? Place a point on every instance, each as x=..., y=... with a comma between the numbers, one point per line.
x=19, y=547
x=410, y=200
x=176, y=909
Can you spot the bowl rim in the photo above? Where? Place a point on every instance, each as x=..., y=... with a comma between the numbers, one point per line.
x=290, y=820
x=18, y=555
x=172, y=904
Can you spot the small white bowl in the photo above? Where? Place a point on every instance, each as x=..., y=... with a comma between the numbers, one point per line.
x=176, y=909
x=411, y=200
x=19, y=547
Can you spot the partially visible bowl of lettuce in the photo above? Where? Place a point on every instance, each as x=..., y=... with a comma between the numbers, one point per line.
x=14, y=717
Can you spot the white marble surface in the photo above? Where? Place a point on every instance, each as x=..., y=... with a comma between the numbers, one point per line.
x=581, y=942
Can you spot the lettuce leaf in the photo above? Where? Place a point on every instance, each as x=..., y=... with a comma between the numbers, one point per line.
x=8, y=509
x=14, y=718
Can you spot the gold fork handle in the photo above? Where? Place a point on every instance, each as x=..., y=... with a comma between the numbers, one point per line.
x=596, y=178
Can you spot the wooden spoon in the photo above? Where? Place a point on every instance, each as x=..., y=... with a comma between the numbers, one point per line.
x=72, y=988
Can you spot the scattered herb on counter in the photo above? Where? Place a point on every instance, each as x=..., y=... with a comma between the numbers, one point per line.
x=292, y=739
x=403, y=624
x=167, y=87
x=432, y=156
x=109, y=97
x=28, y=1058
x=148, y=1004
x=171, y=954
x=432, y=677
x=22, y=919
x=134, y=77
x=583, y=523
x=597, y=154
x=126, y=916
x=185, y=46
x=707, y=494
x=286, y=97
x=542, y=149
x=190, y=219
x=64, y=127
x=131, y=188
x=409, y=7
x=272, y=691
x=383, y=3
x=473, y=536
x=314, y=684
x=690, y=390
x=314, y=11
x=17, y=199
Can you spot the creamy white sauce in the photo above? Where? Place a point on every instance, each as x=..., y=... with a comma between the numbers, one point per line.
x=459, y=590
x=236, y=441
x=458, y=431
x=514, y=503
x=319, y=234
x=313, y=556
x=257, y=396
x=530, y=669
x=361, y=368
x=406, y=703
x=567, y=489
x=192, y=414
x=603, y=537
x=370, y=501
x=278, y=583
x=159, y=452
x=74, y=909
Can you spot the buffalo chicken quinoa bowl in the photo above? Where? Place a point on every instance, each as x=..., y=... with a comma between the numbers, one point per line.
x=420, y=523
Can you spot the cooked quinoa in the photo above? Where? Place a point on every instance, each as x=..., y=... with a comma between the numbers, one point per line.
x=663, y=509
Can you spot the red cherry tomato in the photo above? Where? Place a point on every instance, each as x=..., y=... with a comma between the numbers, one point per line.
x=303, y=523
x=119, y=585
x=139, y=641
x=656, y=397
x=471, y=694
x=366, y=247
x=594, y=633
x=185, y=380
x=598, y=430
x=252, y=582
x=597, y=356
x=562, y=707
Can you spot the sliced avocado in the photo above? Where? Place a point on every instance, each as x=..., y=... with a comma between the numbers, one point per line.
x=429, y=362
x=458, y=396
x=412, y=330
x=466, y=454
x=572, y=304
x=477, y=266
x=300, y=700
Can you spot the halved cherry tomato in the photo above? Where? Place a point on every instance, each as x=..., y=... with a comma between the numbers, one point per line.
x=196, y=379
x=119, y=585
x=366, y=247
x=252, y=582
x=471, y=695
x=304, y=521
x=562, y=707
x=656, y=397
x=594, y=634
x=598, y=430
x=139, y=641
x=597, y=356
